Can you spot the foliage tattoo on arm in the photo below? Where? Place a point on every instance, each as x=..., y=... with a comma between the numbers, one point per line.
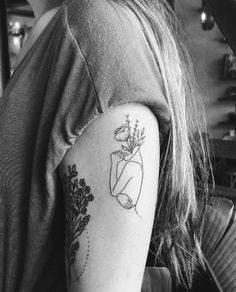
x=77, y=198
x=126, y=175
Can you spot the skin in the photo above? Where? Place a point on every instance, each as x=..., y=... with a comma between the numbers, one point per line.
x=112, y=248
x=126, y=177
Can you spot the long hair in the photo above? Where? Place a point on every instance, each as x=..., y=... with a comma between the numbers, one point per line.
x=185, y=161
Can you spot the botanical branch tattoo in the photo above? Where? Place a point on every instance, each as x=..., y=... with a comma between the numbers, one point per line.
x=126, y=175
x=77, y=198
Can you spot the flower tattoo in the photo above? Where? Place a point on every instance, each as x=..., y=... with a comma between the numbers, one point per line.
x=77, y=198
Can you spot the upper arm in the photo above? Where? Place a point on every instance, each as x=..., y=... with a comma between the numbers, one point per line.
x=108, y=234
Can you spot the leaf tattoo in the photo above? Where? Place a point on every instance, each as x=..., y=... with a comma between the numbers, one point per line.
x=77, y=198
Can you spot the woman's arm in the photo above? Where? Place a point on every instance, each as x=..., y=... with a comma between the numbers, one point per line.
x=107, y=244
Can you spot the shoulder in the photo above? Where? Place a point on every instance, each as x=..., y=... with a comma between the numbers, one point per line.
x=120, y=63
x=106, y=32
x=101, y=21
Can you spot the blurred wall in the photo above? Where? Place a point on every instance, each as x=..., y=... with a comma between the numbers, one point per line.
x=207, y=52
x=14, y=45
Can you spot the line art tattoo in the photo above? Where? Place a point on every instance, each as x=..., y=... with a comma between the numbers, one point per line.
x=77, y=198
x=126, y=175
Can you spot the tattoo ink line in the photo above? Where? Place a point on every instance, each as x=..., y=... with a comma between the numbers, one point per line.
x=87, y=257
x=127, y=185
x=77, y=198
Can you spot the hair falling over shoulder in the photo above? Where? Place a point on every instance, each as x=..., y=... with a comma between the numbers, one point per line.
x=185, y=163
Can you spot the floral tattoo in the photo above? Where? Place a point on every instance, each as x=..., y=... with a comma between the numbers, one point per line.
x=126, y=175
x=77, y=198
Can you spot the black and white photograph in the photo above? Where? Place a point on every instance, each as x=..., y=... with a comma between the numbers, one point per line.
x=117, y=145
